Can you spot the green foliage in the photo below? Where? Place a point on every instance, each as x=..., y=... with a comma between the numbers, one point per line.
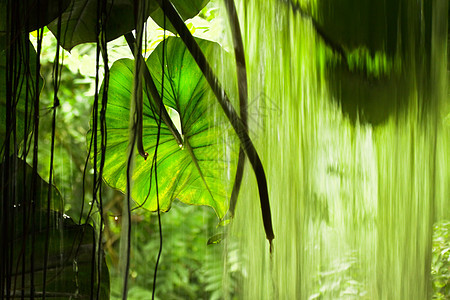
x=338, y=281
x=188, y=228
x=215, y=239
x=196, y=171
x=362, y=96
x=440, y=265
x=189, y=269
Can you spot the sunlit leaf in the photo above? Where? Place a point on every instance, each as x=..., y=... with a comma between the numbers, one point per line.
x=201, y=171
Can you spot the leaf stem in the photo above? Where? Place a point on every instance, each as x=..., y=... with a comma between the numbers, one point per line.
x=243, y=95
x=157, y=103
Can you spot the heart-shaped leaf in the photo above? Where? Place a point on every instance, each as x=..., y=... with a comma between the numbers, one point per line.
x=201, y=171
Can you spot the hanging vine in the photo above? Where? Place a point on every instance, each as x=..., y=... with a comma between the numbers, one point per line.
x=129, y=112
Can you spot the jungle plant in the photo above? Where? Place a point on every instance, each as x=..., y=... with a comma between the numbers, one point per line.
x=134, y=144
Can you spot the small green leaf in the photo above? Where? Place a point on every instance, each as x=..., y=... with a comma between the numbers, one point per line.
x=201, y=171
x=215, y=239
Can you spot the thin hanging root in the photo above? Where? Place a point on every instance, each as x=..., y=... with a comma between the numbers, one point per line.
x=228, y=109
x=155, y=100
x=137, y=90
x=237, y=182
x=243, y=95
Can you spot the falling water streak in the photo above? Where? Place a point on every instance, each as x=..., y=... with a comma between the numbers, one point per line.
x=353, y=203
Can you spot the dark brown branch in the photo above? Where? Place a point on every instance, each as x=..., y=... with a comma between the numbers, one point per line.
x=238, y=126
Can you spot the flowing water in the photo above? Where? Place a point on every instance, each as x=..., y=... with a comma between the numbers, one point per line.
x=356, y=154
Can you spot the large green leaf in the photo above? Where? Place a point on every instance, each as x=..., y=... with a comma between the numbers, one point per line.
x=70, y=247
x=24, y=76
x=69, y=265
x=201, y=171
x=79, y=21
x=186, y=8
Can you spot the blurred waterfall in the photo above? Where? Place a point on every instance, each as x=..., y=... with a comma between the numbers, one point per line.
x=355, y=147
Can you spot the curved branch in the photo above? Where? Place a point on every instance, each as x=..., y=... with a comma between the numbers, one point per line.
x=238, y=126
